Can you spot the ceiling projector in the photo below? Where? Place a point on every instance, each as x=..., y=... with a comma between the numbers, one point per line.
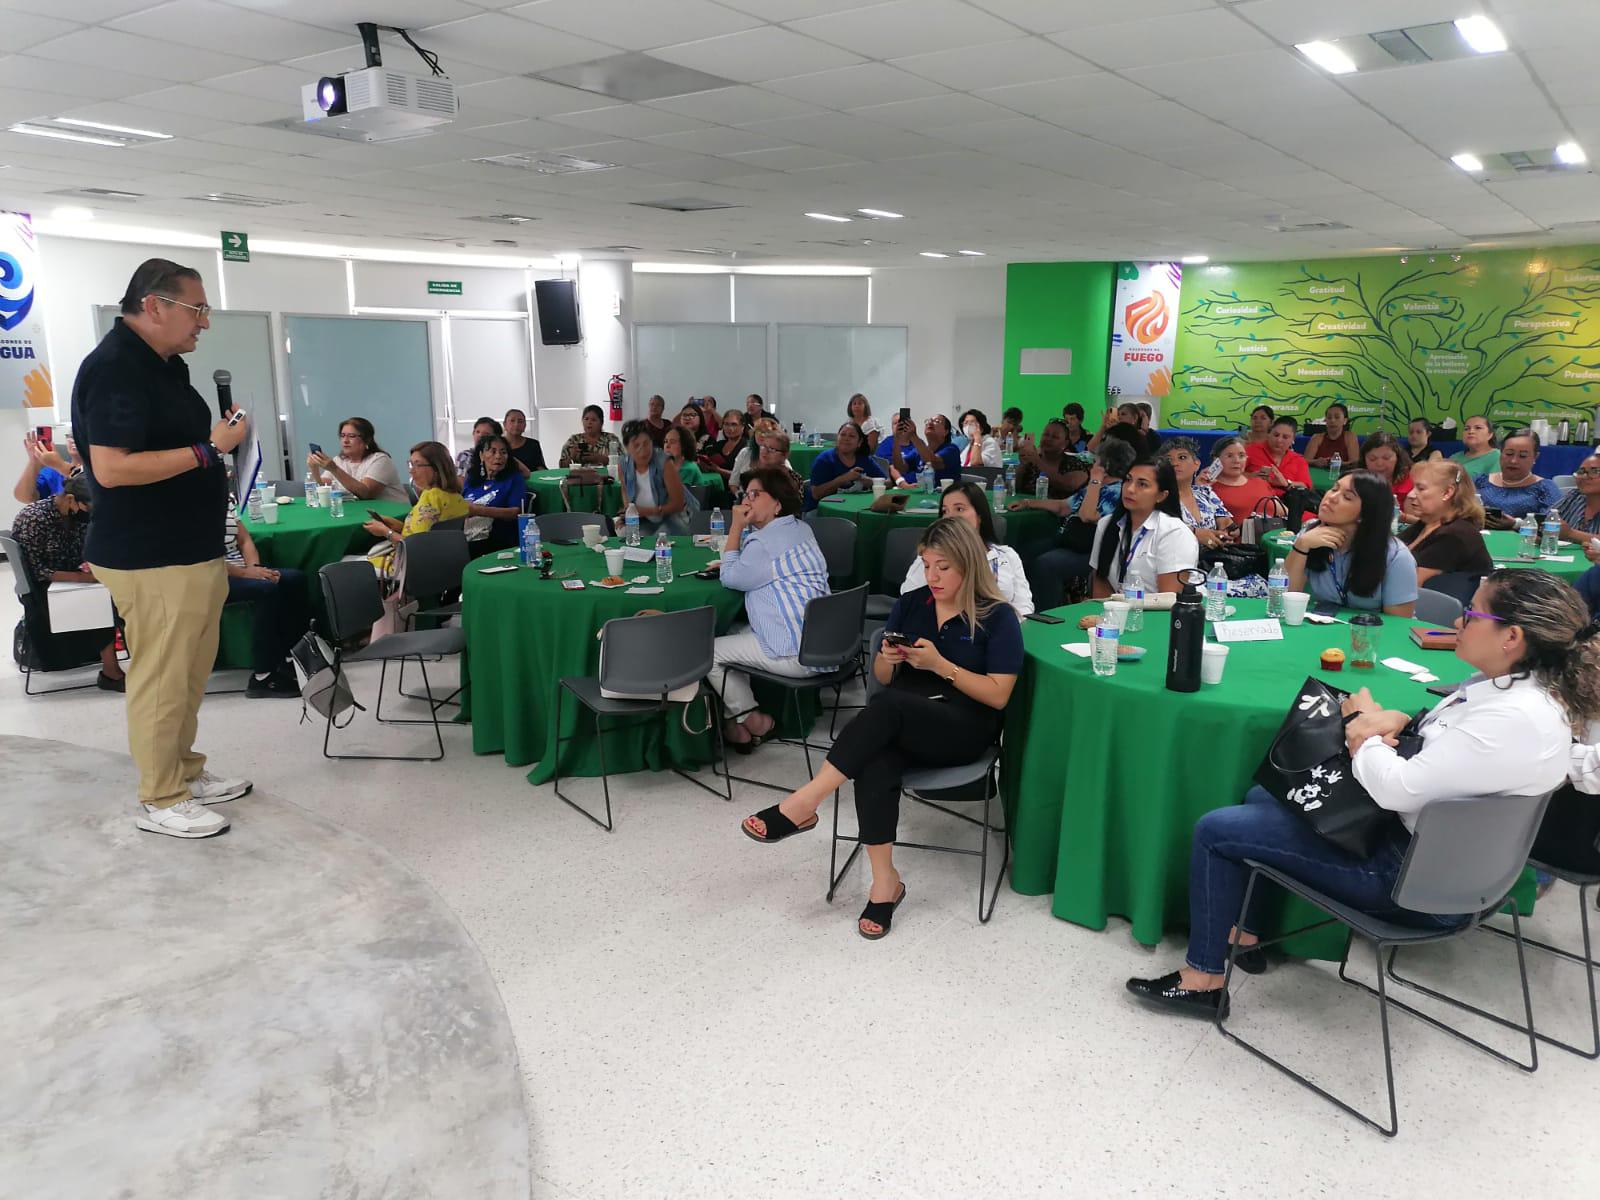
x=379, y=103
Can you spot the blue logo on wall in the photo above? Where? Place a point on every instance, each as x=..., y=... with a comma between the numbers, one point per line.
x=15, y=303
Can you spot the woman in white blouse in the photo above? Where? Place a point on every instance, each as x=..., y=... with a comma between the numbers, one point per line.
x=858, y=410
x=982, y=449
x=968, y=502
x=1505, y=732
x=1145, y=542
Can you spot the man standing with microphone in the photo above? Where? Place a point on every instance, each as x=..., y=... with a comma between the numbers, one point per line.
x=155, y=464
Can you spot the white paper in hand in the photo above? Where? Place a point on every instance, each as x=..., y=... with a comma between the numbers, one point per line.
x=1265, y=630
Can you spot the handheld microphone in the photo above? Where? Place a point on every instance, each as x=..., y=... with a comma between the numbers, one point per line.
x=224, y=381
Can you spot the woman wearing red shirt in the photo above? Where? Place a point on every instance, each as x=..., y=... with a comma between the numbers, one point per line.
x=1276, y=461
x=1238, y=490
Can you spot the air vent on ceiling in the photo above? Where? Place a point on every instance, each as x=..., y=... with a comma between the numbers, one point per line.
x=95, y=193
x=609, y=249
x=504, y=219
x=546, y=164
x=1407, y=47
x=685, y=204
x=1517, y=163
x=633, y=77
x=240, y=200
x=1309, y=227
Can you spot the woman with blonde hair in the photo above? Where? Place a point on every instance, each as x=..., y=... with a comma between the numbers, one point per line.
x=1448, y=533
x=950, y=656
x=439, y=498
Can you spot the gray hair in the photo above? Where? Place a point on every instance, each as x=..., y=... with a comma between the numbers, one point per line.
x=1187, y=444
x=1563, y=643
x=154, y=277
x=1116, y=457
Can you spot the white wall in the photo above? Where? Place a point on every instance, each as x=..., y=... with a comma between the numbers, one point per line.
x=955, y=345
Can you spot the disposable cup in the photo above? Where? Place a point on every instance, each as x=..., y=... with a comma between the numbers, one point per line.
x=879, y=486
x=324, y=495
x=1294, y=607
x=1213, y=658
x=269, y=513
x=614, y=562
x=592, y=535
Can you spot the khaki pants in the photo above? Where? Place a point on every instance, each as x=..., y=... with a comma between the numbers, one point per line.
x=173, y=618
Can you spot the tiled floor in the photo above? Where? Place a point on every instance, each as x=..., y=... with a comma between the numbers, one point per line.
x=694, y=1020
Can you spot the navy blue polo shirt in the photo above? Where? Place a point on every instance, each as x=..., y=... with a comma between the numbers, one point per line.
x=994, y=647
x=947, y=466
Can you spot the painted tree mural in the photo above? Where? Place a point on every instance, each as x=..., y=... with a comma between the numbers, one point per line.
x=1511, y=335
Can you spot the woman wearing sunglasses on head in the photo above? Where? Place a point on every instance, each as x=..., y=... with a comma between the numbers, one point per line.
x=1348, y=557
x=1508, y=732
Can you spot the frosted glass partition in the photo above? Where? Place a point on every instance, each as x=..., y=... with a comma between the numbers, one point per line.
x=679, y=361
x=376, y=368
x=489, y=371
x=240, y=343
x=821, y=366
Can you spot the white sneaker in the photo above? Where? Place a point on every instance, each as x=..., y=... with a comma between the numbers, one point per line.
x=185, y=819
x=213, y=789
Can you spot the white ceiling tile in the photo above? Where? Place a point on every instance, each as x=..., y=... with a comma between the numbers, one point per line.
x=856, y=138
x=631, y=121
x=636, y=26
x=718, y=140
x=934, y=112
x=246, y=110
x=81, y=12
x=24, y=72
x=737, y=105
x=704, y=168
x=1022, y=60
x=120, y=112
x=1567, y=73
x=1547, y=24
x=792, y=158
x=343, y=15
x=790, y=10
x=1054, y=16
x=904, y=27
x=273, y=83
x=1182, y=37
x=21, y=30
x=1292, y=21
x=498, y=40
x=115, y=50
x=757, y=55
x=537, y=135
x=214, y=26
x=531, y=97
x=1051, y=99
x=350, y=58
x=856, y=87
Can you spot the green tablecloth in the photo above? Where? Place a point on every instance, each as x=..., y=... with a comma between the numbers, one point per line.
x=1321, y=478
x=1105, y=777
x=801, y=458
x=525, y=633
x=1503, y=545
x=872, y=528
x=546, y=485
x=305, y=539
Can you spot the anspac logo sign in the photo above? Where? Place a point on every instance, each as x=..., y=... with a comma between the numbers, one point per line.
x=1146, y=319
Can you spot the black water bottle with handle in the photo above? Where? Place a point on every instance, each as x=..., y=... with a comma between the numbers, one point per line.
x=1186, y=641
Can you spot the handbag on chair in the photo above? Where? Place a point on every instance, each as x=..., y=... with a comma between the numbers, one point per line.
x=1266, y=517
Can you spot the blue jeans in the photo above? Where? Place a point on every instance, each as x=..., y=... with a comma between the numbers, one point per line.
x=1265, y=830
x=1588, y=585
x=1050, y=566
x=280, y=616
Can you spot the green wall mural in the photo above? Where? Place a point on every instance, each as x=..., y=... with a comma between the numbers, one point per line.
x=1508, y=334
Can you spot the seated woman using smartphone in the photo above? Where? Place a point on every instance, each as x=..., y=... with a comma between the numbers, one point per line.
x=1348, y=557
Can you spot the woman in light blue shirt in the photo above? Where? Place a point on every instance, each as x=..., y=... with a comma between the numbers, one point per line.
x=1348, y=556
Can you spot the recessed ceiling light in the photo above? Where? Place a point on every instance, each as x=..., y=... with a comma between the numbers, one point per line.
x=971, y=253
x=71, y=212
x=1467, y=162
x=881, y=213
x=816, y=216
x=934, y=254
x=145, y=133
x=1482, y=34
x=1196, y=258
x=64, y=136
x=1327, y=56
x=1571, y=153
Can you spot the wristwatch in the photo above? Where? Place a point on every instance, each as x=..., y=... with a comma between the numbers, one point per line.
x=951, y=678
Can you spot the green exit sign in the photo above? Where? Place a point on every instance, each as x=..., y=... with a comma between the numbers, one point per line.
x=444, y=287
x=235, y=246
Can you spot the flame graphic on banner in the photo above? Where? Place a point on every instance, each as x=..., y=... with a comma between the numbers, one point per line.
x=1147, y=319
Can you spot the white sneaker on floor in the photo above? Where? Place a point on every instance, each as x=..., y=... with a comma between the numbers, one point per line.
x=185, y=819
x=213, y=789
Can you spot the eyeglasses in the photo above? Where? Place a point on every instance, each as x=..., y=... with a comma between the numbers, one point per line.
x=1468, y=614
x=1586, y=472
x=200, y=310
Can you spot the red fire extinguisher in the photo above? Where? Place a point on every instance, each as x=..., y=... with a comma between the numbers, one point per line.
x=614, y=390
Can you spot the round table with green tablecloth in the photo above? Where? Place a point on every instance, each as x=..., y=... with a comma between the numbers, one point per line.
x=1105, y=776
x=922, y=508
x=801, y=458
x=1568, y=562
x=304, y=539
x=525, y=633
x=546, y=486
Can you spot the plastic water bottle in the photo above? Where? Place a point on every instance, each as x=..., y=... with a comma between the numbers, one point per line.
x=925, y=477
x=336, y=504
x=1041, y=487
x=630, y=524
x=311, y=488
x=1217, y=594
x=252, y=504
x=997, y=494
x=1550, y=539
x=1277, y=585
x=1011, y=478
x=1335, y=465
x=529, y=545
x=1011, y=444
x=663, y=558
x=1528, y=539
x=1103, y=649
x=719, y=523
x=1133, y=592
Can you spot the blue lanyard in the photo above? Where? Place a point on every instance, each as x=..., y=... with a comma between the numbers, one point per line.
x=1338, y=584
x=1133, y=549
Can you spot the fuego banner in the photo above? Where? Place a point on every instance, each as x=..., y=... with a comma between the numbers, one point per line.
x=1144, y=330
x=24, y=373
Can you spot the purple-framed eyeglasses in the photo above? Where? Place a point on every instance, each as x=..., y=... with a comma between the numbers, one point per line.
x=1468, y=613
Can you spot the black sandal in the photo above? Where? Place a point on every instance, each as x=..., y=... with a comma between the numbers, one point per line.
x=778, y=825
x=880, y=913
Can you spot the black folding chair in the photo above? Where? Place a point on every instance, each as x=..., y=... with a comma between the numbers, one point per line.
x=643, y=656
x=569, y=526
x=836, y=538
x=433, y=563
